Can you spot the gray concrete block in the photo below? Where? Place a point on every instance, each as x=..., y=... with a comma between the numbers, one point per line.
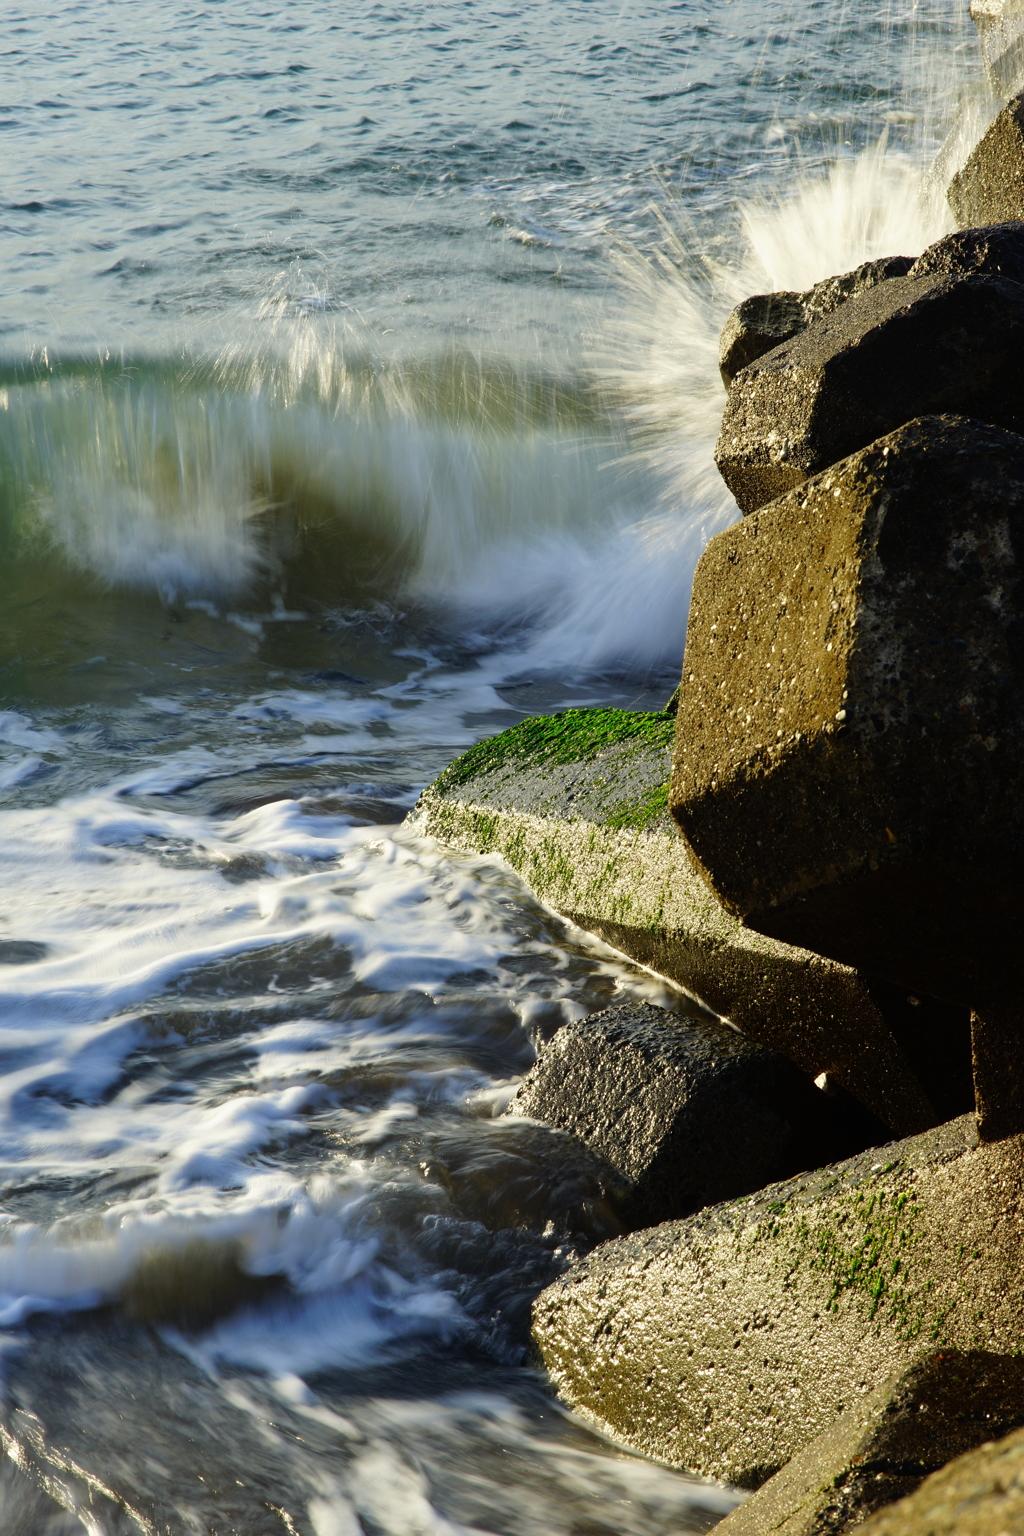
x=766, y=320
x=881, y=1449
x=689, y=1111
x=1000, y=25
x=849, y=770
x=905, y=348
x=989, y=188
x=726, y=1343
x=993, y=250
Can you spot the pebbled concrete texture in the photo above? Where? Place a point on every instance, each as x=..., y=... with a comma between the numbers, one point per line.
x=989, y=189
x=849, y=769
x=980, y=1494
x=688, y=1110
x=908, y=347
x=727, y=1342
x=994, y=250
x=881, y=1449
x=636, y=888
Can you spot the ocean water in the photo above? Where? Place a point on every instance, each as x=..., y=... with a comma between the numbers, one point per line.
x=358, y=387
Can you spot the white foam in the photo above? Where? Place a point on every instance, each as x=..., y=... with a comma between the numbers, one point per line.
x=19, y=731
x=121, y=922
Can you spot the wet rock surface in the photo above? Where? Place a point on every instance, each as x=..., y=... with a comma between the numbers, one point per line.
x=849, y=768
x=989, y=189
x=757, y=325
x=688, y=1110
x=588, y=828
x=994, y=250
x=907, y=347
x=766, y=320
x=727, y=1342
x=882, y=1448
x=979, y=1494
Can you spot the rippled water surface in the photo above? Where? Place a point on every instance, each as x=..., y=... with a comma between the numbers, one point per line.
x=358, y=387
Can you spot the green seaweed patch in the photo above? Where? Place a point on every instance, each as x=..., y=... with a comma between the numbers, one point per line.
x=865, y=1242
x=575, y=736
x=640, y=813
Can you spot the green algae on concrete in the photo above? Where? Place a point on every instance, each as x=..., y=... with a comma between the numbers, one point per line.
x=726, y=1342
x=577, y=804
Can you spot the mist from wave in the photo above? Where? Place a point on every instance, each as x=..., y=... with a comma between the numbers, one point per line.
x=564, y=512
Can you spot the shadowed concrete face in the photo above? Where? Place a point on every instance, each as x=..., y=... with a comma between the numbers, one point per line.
x=883, y=1447
x=849, y=766
x=980, y=1494
x=904, y=348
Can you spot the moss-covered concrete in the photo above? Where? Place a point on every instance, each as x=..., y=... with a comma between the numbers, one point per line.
x=725, y=1343
x=577, y=804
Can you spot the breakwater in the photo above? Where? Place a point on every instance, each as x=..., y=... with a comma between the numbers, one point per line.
x=358, y=397
x=844, y=778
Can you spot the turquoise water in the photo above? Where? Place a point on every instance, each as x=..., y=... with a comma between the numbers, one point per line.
x=358, y=385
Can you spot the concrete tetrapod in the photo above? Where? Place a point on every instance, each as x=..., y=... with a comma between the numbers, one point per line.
x=990, y=187
x=992, y=250
x=766, y=320
x=904, y=348
x=687, y=1110
x=577, y=803
x=727, y=1342
x=849, y=765
x=886, y=1444
x=1000, y=25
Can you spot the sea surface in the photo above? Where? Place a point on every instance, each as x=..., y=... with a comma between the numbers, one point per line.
x=358, y=389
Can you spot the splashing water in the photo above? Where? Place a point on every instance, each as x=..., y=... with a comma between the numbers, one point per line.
x=329, y=442
x=514, y=498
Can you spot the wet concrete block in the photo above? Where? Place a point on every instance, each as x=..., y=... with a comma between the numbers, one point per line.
x=766, y=320
x=1000, y=25
x=849, y=768
x=992, y=250
x=726, y=1343
x=757, y=325
x=989, y=189
x=980, y=1494
x=883, y=1447
x=907, y=347
x=577, y=804
x=687, y=1109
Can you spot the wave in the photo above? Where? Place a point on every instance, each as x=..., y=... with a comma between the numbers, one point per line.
x=566, y=511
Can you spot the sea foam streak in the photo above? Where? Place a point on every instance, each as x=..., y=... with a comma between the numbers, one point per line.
x=259, y=1199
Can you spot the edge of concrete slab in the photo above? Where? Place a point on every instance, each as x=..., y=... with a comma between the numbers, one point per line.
x=568, y=828
x=726, y=1342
